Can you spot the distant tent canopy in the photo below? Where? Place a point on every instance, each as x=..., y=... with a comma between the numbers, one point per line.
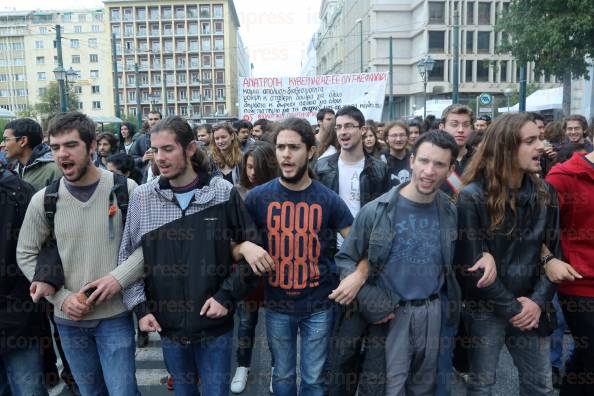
x=7, y=113
x=541, y=100
x=434, y=107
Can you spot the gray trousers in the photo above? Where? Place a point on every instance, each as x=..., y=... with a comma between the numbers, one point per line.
x=412, y=347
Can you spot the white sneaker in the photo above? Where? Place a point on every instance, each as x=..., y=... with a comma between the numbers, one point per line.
x=270, y=388
x=240, y=379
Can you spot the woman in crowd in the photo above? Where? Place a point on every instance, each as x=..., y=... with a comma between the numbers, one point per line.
x=127, y=137
x=225, y=155
x=414, y=129
x=258, y=166
x=124, y=165
x=371, y=144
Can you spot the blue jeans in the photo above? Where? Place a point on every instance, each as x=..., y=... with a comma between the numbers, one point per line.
x=557, y=337
x=102, y=358
x=530, y=354
x=21, y=372
x=315, y=330
x=211, y=360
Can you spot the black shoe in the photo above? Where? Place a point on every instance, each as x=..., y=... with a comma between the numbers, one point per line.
x=142, y=340
x=557, y=378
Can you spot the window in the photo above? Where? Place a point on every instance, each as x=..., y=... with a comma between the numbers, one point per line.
x=469, y=42
x=78, y=89
x=80, y=105
x=3, y=77
x=218, y=27
x=131, y=96
x=166, y=12
x=96, y=105
x=219, y=61
x=21, y=92
x=217, y=10
x=470, y=13
x=98, y=16
x=128, y=30
x=130, y=79
x=67, y=17
x=95, y=28
x=205, y=28
x=74, y=43
x=40, y=60
x=206, y=77
x=484, y=13
x=220, y=77
x=206, y=60
x=82, y=17
x=93, y=58
x=42, y=30
x=483, y=42
x=94, y=73
x=205, y=43
x=41, y=91
x=220, y=93
x=20, y=77
x=39, y=44
x=503, y=71
x=219, y=44
x=78, y=29
x=482, y=71
x=436, y=12
x=182, y=94
x=205, y=11
x=115, y=29
x=207, y=93
x=436, y=41
x=95, y=89
x=140, y=13
x=41, y=76
x=468, y=67
x=75, y=58
x=437, y=72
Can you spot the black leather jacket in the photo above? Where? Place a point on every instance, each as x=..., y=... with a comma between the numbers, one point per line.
x=517, y=253
x=373, y=181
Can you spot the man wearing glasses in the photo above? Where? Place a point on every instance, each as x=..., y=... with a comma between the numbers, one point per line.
x=22, y=142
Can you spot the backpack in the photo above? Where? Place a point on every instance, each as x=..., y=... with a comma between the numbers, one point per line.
x=119, y=191
x=49, y=264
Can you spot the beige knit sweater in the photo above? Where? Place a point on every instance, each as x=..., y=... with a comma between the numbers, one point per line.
x=82, y=235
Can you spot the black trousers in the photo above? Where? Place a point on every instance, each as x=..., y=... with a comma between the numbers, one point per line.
x=579, y=369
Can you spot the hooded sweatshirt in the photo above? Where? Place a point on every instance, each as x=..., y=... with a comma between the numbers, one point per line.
x=574, y=182
x=41, y=169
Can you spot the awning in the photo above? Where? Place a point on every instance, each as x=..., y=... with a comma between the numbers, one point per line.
x=6, y=113
x=106, y=119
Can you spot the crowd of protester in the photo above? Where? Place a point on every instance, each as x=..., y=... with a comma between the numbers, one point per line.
x=402, y=254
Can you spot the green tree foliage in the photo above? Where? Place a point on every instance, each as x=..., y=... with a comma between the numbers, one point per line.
x=50, y=101
x=556, y=35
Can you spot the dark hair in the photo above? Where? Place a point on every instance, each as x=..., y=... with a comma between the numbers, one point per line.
x=537, y=116
x=554, y=132
x=439, y=138
x=111, y=139
x=352, y=112
x=125, y=164
x=302, y=127
x=73, y=120
x=265, y=124
x=415, y=123
x=184, y=136
x=208, y=128
x=576, y=117
x=265, y=164
x=566, y=151
x=156, y=112
x=28, y=128
x=485, y=117
x=239, y=124
x=131, y=130
x=322, y=113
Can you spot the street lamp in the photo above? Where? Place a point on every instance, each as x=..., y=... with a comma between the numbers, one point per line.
x=69, y=73
x=424, y=66
x=360, y=22
x=508, y=92
x=60, y=75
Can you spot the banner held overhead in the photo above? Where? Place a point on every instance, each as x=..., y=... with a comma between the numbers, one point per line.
x=276, y=98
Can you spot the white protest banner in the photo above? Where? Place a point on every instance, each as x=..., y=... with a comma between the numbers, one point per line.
x=276, y=98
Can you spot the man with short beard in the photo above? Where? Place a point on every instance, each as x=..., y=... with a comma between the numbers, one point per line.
x=96, y=330
x=107, y=144
x=140, y=150
x=299, y=217
x=398, y=157
x=184, y=222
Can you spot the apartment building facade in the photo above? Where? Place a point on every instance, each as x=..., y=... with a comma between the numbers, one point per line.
x=189, y=56
x=28, y=58
x=419, y=28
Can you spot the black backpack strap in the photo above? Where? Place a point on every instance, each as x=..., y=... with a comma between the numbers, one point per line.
x=120, y=190
x=50, y=198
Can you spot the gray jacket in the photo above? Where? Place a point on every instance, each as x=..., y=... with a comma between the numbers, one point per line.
x=371, y=236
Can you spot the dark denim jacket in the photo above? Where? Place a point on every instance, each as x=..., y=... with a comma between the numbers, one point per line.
x=371, y=236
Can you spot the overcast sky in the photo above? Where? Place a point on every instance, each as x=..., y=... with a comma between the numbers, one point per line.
x=275, y=32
